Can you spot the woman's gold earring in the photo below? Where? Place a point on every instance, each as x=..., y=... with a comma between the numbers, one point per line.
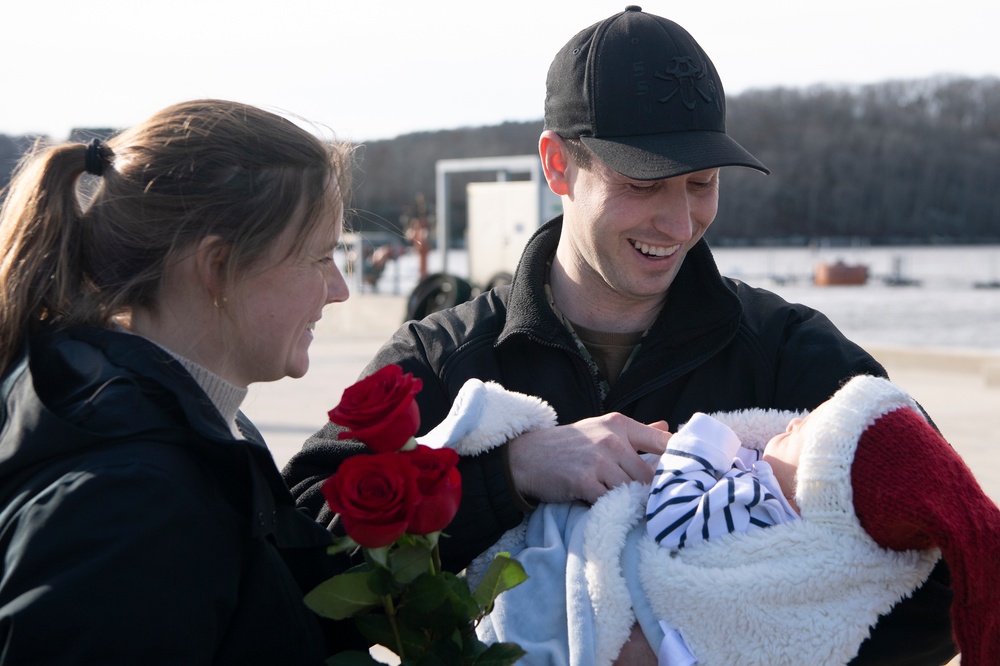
x=220, y=302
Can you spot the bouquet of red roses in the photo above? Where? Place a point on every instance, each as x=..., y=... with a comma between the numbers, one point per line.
x=394, y=504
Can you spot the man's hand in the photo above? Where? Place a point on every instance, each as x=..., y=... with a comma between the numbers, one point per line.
x=584, y=460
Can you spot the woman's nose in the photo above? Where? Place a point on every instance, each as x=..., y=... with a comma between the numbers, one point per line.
x=337, y=290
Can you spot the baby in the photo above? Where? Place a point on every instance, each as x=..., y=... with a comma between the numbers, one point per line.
x=707, y=483
x=860, y=498
x=870, y=447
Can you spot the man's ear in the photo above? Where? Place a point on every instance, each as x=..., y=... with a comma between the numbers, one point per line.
x=555, y=161
x=211, y=260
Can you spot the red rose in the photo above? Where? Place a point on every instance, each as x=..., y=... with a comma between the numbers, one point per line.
x=439, y=483
x=375, y=496
x=380, y=410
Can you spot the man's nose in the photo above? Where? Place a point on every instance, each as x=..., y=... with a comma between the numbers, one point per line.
x=673, y=215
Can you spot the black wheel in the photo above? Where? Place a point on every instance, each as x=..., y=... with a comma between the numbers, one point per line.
x=499, y=280
x=437, y=291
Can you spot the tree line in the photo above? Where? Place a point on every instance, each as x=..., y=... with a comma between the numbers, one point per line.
x=914, y=161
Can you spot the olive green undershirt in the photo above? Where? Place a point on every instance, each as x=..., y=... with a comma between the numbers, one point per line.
x=611, y=351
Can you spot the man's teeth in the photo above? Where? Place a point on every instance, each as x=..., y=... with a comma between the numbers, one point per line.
x=655, y=250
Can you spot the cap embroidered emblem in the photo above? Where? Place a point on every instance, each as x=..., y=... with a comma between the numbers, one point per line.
x=689, y=76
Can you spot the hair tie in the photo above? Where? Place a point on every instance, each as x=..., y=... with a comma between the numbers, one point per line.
x=98, y=156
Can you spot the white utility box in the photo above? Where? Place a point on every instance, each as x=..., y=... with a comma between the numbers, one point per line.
x=502, y=213
x=502, y=216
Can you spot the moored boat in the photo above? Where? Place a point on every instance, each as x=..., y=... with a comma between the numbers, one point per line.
x=839, y=273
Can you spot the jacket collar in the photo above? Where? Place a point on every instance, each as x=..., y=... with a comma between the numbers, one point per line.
x=528, y=310
x=700, y=302
x=79, y=367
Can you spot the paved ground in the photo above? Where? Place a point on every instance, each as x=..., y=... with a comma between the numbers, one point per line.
x=961, y=390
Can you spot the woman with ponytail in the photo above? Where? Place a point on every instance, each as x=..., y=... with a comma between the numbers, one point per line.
x=145, y=282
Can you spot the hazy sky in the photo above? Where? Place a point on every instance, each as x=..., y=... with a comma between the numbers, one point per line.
x=370, y=69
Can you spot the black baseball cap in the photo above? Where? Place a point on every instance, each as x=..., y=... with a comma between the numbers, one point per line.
x=641, y=94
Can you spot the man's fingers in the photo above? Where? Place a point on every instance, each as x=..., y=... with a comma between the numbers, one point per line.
x=637, y=469
x=591, y=492
x=661, y=425
x=585, y=459
x=648, y=438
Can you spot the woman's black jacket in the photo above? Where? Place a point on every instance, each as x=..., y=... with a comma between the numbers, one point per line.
x=134, y=527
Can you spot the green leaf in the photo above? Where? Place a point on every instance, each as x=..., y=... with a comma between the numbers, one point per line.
x=410, y=561
x=378, y=555
x=382, y=583
x=432, y=538
x=376, y=628
x=342, y=544
x=343, y=595
x=460, y=597
x=503, y=574
x=500, y=654
x=425, y=593
x=441, y=653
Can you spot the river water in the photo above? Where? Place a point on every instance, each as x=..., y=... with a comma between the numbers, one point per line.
x=953, y=301
x=947, y=304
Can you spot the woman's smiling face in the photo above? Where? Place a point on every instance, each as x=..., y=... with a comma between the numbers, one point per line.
x=277, y=306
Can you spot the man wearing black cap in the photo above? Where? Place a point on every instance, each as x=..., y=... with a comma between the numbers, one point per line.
x=617, y=316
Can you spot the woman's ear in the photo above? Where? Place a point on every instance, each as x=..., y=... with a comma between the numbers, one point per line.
x=211, y=260
x=555, y=161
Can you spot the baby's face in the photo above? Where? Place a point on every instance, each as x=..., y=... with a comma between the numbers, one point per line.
x=783, y=444
x=787, y=440
x=782, y=453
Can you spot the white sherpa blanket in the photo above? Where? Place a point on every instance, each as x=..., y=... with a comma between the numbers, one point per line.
x=801, y=592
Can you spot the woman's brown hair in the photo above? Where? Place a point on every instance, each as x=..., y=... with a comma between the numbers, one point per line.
x=195, y=169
